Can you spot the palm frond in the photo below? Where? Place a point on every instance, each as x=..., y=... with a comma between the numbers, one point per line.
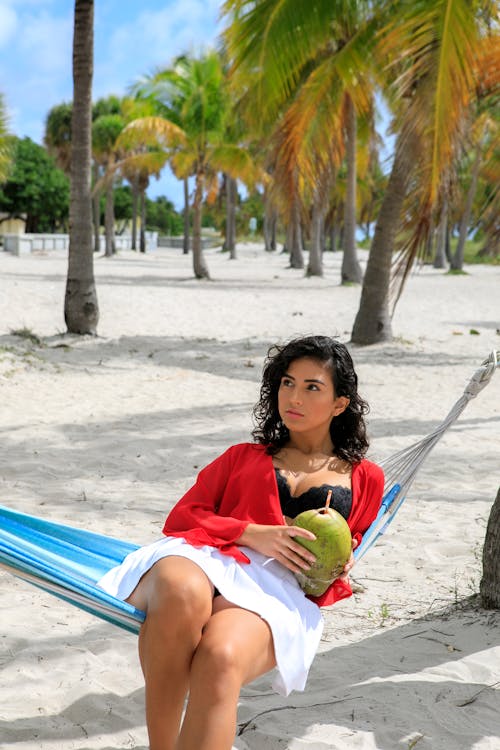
x=145, y=163
x=152, y=131
x=237, y=162
x=212, y=187
x=183, y=163
x=433, y=49
x=272, y=40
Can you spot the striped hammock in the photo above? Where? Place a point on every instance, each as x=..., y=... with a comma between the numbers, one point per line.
x=67, y=561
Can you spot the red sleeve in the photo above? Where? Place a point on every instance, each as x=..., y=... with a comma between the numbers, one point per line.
x=367, y=492
x=195, y=516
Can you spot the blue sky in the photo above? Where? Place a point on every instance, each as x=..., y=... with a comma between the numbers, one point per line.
x=132, y=37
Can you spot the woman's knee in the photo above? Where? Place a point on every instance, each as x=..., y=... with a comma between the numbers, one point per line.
x=179, y=588
x=236, y=645
x=221, y=659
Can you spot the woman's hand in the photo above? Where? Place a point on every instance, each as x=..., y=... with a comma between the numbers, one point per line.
x=349, y=564
x=278, y=542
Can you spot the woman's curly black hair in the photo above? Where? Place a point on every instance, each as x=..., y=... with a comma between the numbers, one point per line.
x=347, y=430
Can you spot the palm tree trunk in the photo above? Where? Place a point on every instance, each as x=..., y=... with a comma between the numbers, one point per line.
x=81, y=311
x=96, y=209
x=296, y=249
x=373, y=321
x=429, y=243
x=491, y=247
x=135, y=208
x=199, y=266
x=457, y=261
x=440, y=254
x=269, y=225
x=490, y=582
x=340, y=243
x=185, y=243
x=351, y=270
x=447, y=243
x=142, y=231
x=231, y=192
x=315, y=265
x=333, y=236
x=109, y=221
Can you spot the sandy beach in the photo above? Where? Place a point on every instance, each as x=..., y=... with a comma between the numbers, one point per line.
x=107, y=432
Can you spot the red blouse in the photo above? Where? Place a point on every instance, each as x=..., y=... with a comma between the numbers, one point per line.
x=239, y=487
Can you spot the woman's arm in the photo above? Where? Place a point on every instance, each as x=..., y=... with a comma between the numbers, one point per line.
x=278, y=542
x=198, y=508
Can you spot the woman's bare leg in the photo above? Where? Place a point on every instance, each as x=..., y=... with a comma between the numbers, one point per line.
x=235, y=648
x=177, y=597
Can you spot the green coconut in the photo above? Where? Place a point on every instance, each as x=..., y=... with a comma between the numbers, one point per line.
x=332, y=548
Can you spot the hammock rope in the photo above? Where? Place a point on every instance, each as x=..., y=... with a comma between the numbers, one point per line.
x=67, y=562
x=401, y=468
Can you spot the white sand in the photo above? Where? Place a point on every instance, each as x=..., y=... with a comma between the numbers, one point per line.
x=106, y=433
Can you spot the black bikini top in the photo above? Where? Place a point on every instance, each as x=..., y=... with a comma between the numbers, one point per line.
x=314, y=497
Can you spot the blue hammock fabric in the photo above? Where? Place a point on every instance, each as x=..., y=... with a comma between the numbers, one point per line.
x=68, y=561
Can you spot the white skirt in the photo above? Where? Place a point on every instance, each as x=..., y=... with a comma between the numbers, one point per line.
x=263, y=586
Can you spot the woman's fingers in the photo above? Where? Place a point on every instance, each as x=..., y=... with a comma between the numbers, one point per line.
x=299, y=531
x=297, y=556
x=279, y=542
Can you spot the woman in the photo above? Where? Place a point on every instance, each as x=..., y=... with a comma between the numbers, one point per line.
x=222, y=603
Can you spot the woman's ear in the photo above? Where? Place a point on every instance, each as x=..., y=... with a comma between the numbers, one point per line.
x=340, y=404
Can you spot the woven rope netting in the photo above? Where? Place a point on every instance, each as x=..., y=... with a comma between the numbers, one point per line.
x=401, y=468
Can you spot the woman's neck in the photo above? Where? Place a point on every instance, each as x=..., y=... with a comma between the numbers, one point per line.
x=311, y=445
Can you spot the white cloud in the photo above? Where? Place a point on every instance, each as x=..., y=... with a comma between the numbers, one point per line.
x=155, y=37
x=8, y=23
x=36, y=64
x=151, y=40
x=36, y=55
x=47, y=41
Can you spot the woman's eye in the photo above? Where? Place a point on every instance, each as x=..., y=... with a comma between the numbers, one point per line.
x=286, y=382
x=313, y=387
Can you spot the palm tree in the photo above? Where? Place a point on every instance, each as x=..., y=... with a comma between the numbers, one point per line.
x=371, y=181
x=373, y=320
x=105, y=132
x=57, y=137
x=318, y=83
x=432, y=48
x=109, y=105
x=490, y=581
x=483, y=138
x=231, y=192
x=138, y=163
x=81, y=311
x=423, y=53
x=193, y=98
x=351, y=269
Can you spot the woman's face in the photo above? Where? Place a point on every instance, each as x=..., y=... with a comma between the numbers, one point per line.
x=306, y=396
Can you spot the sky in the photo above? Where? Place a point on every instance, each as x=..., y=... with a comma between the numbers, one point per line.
x=131, y=38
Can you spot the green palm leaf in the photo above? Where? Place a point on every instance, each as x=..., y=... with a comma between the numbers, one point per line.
x=152, y=131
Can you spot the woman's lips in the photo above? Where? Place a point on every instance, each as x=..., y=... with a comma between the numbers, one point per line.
x=292, y=413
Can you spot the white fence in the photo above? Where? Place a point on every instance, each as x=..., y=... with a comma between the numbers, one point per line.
x=24, y=244
x=178, y=242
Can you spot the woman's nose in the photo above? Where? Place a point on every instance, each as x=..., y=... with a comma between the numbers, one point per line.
x=295, y=396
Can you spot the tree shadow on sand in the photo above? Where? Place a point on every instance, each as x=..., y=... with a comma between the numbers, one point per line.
x=419, y=680
x=422, y=680
x=174, y=443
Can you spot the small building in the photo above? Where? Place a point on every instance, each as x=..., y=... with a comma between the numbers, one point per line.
x=9, y=225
